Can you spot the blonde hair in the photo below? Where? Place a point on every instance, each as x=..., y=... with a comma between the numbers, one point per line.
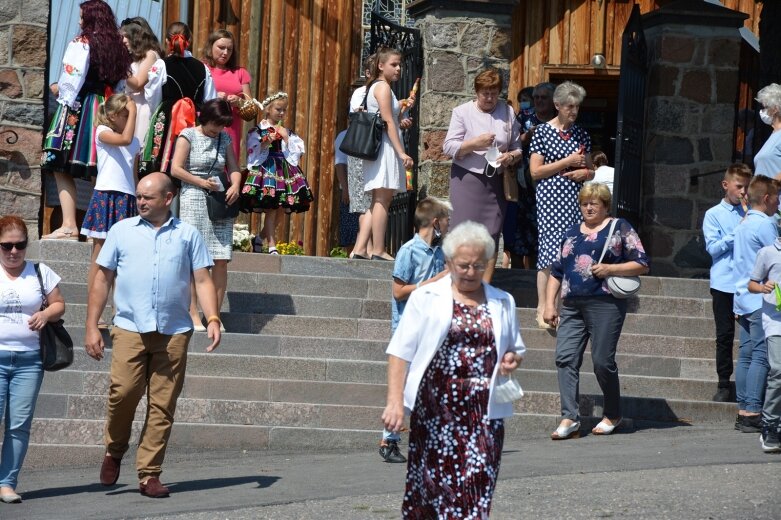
x=111, y=107
x=272, y=98
x=595, y=190
x=430, y=208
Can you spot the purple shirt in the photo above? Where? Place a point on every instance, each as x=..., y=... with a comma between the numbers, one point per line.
x=467, y=122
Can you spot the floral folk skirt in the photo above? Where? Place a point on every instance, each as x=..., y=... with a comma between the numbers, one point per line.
x=454, y=449
x=106, y=208
x=70, y=141
x=276, y=184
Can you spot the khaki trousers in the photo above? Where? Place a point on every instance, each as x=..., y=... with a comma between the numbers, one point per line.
x=139, y=362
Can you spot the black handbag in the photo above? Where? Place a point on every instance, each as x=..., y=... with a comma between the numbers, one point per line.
x=364, y=135
x=216, y=205
x=56, y=343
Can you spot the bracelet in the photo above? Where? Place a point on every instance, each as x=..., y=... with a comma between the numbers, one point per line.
x=213, y=318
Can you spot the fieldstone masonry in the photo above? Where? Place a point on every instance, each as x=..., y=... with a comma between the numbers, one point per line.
x=23, y=37
x=692, y=87
x=460, y=39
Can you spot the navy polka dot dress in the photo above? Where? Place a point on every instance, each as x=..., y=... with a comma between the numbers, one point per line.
x=557, y=196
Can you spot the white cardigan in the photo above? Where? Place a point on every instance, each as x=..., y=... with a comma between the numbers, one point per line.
x=425, y=324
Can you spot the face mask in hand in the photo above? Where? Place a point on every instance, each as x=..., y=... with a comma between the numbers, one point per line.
x=765, y=117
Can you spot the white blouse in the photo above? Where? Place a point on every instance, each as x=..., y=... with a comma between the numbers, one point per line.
x=75, y=64
x=19, y=300
x=257, y=152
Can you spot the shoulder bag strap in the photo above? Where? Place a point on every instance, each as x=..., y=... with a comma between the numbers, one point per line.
x=607, y=240
x=366, y=96
x=216, y=156
x=44, y=300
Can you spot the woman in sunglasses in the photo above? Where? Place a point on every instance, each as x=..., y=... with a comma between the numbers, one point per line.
x=21, y=319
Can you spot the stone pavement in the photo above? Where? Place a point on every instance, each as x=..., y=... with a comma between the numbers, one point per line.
x=653, y=472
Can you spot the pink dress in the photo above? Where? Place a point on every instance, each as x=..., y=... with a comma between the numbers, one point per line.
x=230, y=82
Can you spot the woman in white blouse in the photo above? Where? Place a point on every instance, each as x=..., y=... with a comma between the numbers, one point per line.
x=21, y=371
x=455, y=338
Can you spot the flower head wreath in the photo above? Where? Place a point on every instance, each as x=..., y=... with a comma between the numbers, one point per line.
x=274, y=97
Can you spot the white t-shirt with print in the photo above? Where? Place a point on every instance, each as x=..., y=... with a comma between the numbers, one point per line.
x=115, y=164
x=19, y=300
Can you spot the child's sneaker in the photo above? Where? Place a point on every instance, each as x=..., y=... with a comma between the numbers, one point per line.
x=769, y=440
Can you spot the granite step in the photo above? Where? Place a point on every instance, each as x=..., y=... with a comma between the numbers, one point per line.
x=281, y=294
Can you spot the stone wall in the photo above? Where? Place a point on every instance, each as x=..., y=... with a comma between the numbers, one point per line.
x=23, y=38
x=692, y=87
x=456, y=46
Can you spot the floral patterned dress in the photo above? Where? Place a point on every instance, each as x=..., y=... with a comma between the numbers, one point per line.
x=275, y=179
x=454, y=449
x=581, y=251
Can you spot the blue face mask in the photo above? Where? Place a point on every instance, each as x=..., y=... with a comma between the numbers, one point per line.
x=525, y=105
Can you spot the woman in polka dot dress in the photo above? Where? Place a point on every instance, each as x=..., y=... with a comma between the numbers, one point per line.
x=560, y=162
x=458, y=335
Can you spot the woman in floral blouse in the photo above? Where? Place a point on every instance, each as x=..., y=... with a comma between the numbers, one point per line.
x=588, y=310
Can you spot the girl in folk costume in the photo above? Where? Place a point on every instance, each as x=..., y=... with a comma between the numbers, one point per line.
x=145, y=84
x=188, y=85
x=114, y=196
x=94, y=62
x=275, y=182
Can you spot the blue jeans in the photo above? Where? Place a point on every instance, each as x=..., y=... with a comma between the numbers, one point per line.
x=390, y=436
x=751, y=370
x=21, y=374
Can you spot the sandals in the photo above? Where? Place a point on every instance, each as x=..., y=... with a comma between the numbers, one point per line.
x=62, y=234
x=566, y=432
x=606, y=428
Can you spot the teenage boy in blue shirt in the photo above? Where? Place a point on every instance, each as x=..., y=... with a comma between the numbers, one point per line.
x=756, y=231
x=718, y=227
x=418, y=262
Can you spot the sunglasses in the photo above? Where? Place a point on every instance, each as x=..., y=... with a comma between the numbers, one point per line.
x=20, y=246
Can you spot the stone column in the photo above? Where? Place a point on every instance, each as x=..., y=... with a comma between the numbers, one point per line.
x=23, y=40
x=694, y=54
x=460, y=38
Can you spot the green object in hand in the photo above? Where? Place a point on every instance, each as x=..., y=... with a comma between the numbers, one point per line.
x=778, y=297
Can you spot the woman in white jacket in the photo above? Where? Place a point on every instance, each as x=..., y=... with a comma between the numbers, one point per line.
x=455, y=337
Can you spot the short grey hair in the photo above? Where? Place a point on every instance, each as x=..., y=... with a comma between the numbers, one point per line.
x=770, y=97
x=569, y=92
x=550, y=87
x=471, y=234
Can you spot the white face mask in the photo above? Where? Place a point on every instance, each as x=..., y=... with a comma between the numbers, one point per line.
x=525, y=105
x=765, y=117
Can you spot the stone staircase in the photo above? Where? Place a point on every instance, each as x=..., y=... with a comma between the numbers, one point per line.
x=303, y=364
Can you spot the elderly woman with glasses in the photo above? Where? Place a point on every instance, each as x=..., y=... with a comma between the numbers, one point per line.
x=560, y=162
x=21, y=371
x=588, y=310
x=486, y=123
x=455, y=338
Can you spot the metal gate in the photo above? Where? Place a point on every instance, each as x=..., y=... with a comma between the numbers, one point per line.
x=386, y=33
x=627, y=183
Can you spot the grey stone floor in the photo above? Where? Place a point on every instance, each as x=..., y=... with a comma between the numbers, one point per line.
x=678, y=472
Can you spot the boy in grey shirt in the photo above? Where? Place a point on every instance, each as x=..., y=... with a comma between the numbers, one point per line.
x=767, y=270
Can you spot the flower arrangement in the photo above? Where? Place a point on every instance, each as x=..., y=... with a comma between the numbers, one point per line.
x=242, y=239
x=337, y=252
x=290, y=248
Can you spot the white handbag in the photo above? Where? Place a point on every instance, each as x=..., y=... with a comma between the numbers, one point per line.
x=621, y=287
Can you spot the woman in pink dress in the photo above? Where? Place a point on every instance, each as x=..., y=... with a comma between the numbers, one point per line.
x=230, y=80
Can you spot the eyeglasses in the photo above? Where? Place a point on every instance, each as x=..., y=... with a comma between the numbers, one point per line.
x=464, y=268
x=8, y=246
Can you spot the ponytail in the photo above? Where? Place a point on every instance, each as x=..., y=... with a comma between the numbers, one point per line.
x=381, y=56
x=178, y=36
x=111, y=107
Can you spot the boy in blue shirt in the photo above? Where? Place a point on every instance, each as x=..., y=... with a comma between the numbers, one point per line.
x=418, y=262
x=756, y=231
x=763, y=281
x=718, y=227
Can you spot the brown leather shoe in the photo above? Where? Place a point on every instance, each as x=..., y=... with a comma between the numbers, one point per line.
x=153, y=488
x=109, y=470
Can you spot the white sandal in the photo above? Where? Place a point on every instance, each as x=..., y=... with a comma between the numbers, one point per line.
x=566, y=432
x=605, y=428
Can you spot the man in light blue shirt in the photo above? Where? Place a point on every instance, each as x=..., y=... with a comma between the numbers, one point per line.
x=756, y=231
x=718, y=227
x=152, y=257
